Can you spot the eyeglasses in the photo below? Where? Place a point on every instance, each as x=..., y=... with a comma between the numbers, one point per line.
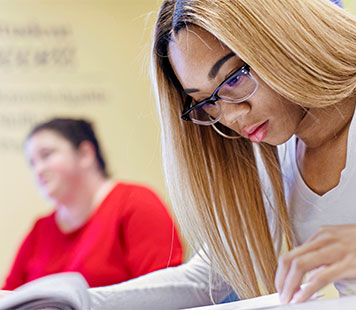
x=238, y=87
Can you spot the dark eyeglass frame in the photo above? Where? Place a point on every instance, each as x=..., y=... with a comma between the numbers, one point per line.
x=243, y=70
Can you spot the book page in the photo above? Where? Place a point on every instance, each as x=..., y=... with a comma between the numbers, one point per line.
x=63, y=291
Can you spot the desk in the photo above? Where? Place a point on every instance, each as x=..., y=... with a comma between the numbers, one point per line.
x=265, y=302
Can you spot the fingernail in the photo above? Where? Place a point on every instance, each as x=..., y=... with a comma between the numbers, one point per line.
x=297, y=297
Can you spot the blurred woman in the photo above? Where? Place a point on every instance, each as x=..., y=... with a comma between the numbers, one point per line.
x=108, y=231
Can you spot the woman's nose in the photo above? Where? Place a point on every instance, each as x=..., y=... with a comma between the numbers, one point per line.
x=38, y=168
x=232, y=112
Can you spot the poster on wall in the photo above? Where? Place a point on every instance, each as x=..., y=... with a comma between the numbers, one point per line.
x=42, y=74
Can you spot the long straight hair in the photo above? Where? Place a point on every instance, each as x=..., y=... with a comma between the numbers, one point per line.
x=306, y=52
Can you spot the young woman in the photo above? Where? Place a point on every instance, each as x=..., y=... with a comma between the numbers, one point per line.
x=234, y=80
x=108, y=231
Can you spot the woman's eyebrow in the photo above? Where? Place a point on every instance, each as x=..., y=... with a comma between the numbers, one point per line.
x=191, y=90
x=215, y=69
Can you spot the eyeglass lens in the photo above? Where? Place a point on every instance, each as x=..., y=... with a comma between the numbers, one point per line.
x=236, y=89
x=207, y=112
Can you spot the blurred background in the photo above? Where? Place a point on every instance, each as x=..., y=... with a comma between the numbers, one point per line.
x=350, y=5
x=80, y=59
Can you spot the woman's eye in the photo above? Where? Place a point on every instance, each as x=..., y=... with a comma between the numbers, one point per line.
x=46, y=154
x=233, y=82
x=209, y=107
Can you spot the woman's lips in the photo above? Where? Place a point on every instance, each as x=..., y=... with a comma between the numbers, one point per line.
x=256, y=133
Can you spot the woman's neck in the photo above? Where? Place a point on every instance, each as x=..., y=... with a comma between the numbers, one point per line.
x=322, y=126
x=322, y=146
x=84, y=202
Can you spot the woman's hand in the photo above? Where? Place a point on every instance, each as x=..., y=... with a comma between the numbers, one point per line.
x=330, y=252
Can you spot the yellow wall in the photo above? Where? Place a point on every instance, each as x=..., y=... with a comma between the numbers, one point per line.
x=350, y=5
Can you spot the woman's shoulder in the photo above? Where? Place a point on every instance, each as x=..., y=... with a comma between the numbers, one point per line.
x=133, y=194
x=43, y=223
x=45, y=218
x=134, y=189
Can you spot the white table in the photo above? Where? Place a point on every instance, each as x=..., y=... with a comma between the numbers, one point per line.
x=269, y=302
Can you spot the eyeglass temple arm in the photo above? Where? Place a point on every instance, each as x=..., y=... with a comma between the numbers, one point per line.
x=185, y=116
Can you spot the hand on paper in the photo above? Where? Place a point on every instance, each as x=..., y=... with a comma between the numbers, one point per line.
x=330, y=253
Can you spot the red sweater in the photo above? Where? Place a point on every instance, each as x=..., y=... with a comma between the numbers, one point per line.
x=129, y=235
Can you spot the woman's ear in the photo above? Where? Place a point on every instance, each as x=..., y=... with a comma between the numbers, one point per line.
x=86, y=152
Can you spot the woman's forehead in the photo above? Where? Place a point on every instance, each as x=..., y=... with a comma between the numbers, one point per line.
x=194, y=47
x=193, y=52
x=192, y=37
x=46, y=137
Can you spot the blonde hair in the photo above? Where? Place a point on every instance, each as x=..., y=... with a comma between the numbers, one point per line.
x=306, y=52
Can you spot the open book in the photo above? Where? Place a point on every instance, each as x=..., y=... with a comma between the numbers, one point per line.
x=62, y=291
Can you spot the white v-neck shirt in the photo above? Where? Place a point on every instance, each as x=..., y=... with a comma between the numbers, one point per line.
x=308, y=210
x=188, y=285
